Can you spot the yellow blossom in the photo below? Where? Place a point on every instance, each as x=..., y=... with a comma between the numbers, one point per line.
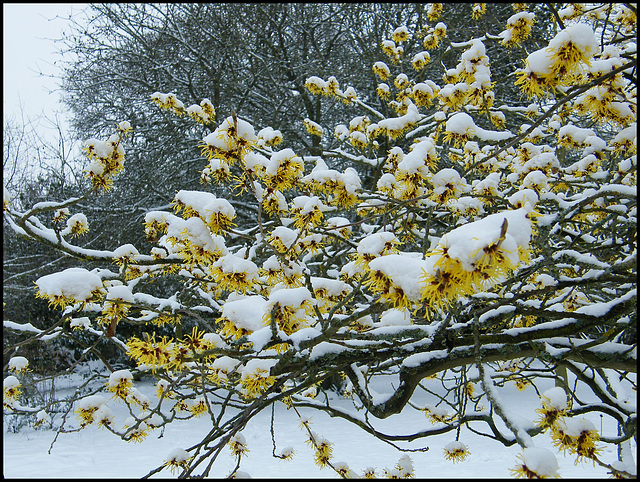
x=19, y=365
x=238, y=445
x=256, y=384
x=323, y=449
x=198, y=407
x=536, y=463
x=383, y=91
x=178, y=459
x=431, y=41
x=62, y=289
x=438, y=414
x=312, y=127
x=554, y=406
x=434, y=11
x=162, y=389
x=10, y=391
x=578, y=436
x=420, y=60
x=478, y=10
x=138, y=434
x=150, y=352
x=369, y=473
x=456, y=451
x=381, y=70
x=256, y=377
x=518, y=28
x=120, y=383
x=77, y=225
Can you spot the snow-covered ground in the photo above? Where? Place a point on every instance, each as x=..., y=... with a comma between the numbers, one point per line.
x=95, y=452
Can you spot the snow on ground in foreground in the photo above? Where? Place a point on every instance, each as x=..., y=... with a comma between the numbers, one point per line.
x=95, y=452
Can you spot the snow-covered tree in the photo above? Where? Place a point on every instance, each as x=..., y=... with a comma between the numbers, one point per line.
x=492, y=244
x=252, y=58
x=34, y=170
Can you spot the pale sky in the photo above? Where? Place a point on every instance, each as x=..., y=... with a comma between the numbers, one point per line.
x=27, y=28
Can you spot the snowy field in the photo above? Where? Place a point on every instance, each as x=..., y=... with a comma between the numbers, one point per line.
x=94, y=452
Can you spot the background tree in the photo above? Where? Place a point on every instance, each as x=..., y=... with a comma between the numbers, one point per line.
x=35, y=170
x=252, y=59
x=475, y=252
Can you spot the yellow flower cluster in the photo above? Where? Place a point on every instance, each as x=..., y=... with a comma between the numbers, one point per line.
x=316, y=85
x=383, y=91
x=256, y=382
x=330, y=87
x=385, y=276
x=269, y=137
x=434, y=35
x=190, y=238
x=391, y=50
x=178, y=459
x=322, y=447
x=238, y=445
x=137, y=434
x=149, y=352
x=10, y=391
x=113, y=311
x=77, y=225
x=603, y=102
x=283, y=270
x=6, y=199
x=339, y=189
x=627, y=19
x=198, y=407
x=197, y=342
x=561, y=63
x=73, y=285
x=307, y=212
x=518, y=28
x=19, y=365
x=381, y=70
x=478, y=10
x=434, y=11
x=216, y=170
x=230, y=142
x=94, y=409
x=551, y=411
x=204, y=113
x=169, y=354
x=234, y=274
x=400, y=34
x=456, y=451
x=216, y=213
x=438, y=414
x=420, y=60
x=231, y=330
x=328, y=293
x=579, y=437
x=374, y=246
x=312, y=128
x=289, y=309
x=536, y=463
x=120, y=383
x=449, y=278
x=107, y=157
x=160, y=319
x=169, y=102
x=285, y=170
x=413, y=172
